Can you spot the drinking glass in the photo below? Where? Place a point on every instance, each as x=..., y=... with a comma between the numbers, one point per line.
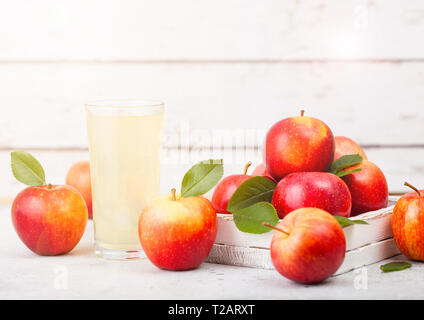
x=124, y=143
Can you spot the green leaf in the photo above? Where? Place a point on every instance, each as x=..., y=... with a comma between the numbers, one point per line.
x=251, y=191
x=251, y=219
x=344, y=222
x=27, y=169
x=345, y=173
x=344, y=162
x=202, y=177
x=395, y=266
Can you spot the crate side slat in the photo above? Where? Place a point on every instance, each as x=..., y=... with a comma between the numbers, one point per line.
x=368, y=254
x=378, y=228
x=260, y=258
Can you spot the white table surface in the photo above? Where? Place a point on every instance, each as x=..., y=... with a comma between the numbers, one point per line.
x=81, y=275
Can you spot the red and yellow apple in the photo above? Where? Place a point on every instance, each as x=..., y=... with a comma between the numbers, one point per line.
x=298, y=144
x=49, y=219
x=368, y=188
x=312, y=189
x=226, y=188
x=79, y=177
x=346, y=146
x=177, y=234
x=408, y=224
x=308, y=246
x=260, y=170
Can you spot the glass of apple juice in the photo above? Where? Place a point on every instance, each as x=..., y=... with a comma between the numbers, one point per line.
x=124, y=143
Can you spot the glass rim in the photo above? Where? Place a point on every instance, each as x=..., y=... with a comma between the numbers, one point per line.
x=124, y=103
x=125, y=107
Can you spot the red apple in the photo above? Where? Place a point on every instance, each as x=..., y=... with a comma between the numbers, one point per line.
x=225, y=189
x=79, y=177
x=408, y=224
x=298, y=144
x=346, y=146
x=49, y=219
x=308, y=246
x=260, y=170
x=312, y=189
x=177, y=234
x=368, y=188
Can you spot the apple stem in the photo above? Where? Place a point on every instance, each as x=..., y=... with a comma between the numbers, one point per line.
x=173, y=196
x=266, y=224
x=413, y=188
x=302, y=113
x=246, y=167
x=49, y=186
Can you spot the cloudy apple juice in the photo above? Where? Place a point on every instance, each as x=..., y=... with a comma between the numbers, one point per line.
x=124, y=143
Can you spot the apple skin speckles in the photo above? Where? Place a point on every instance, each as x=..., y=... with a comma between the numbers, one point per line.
x=346, y=146
x=224, y=191
x=298, y=144
x=50, y=220
x=312, y=249
x=79, y=177
x=408, y=225
x=177, y=234
x=368, y=188
x=312, y=189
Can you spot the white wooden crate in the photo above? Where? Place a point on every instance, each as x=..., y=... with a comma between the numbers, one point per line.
x=365, y=244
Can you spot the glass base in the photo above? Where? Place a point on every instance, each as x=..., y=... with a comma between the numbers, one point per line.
x=115, y=254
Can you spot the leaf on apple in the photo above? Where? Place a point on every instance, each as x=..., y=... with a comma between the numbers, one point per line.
x=27, y=169
x=251, y=219
x=344, y=222
x=345, y=173
x=251, y=191
x=202, y=177
x=395, y=266
x=344, y=162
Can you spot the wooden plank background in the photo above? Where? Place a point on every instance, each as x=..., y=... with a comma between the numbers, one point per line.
x=222, y=67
